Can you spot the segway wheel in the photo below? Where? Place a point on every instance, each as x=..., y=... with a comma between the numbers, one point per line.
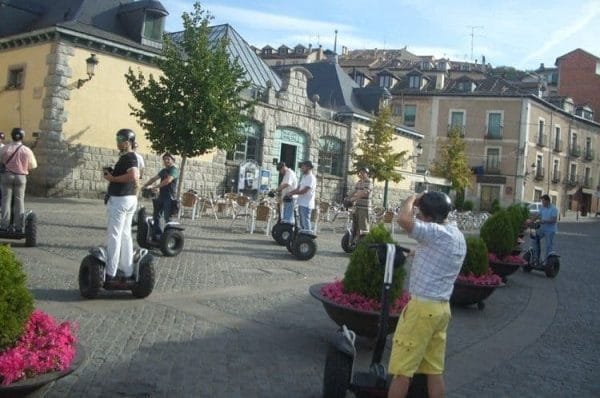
x=281, y=233
x=305, y=248
x=289, y=245
x=337, y=375
x=552, y=267
x=141, y=235
x=527, y=257
x=147, y=279
x=31, y=230
x=347, y=245
x=171, y=242
x=90, y=276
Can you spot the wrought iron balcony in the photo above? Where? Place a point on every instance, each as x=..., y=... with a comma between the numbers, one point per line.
x=589, y=155
x=492, y=169
x=558, y=147
x=586, y=182
x=556, y=177
x=572, y=180
x=575, y=151
x=539, y=173
x=541, y=140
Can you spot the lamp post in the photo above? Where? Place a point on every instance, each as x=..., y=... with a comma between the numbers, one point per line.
x=418, y=152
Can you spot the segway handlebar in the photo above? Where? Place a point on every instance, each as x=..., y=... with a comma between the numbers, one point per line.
x=382, y=253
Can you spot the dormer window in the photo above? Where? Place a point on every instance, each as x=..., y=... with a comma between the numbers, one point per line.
x=465, y=67
x=154, y=24
x=425, y=65
x=386, y=81
x=466, y=86
x=267, y=51
x=414, y=82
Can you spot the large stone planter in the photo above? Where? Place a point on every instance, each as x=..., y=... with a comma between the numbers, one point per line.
x=27, y=386
x=363, y=323
x=504, y=269
x=466, y=294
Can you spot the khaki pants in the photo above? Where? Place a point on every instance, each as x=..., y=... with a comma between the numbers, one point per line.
x=13, y=187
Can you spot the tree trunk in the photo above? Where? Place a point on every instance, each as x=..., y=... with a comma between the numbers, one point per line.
x=181, y=174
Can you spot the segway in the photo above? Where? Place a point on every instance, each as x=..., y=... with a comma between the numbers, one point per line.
x=92, y=275
x=171, y=240
x=302, y=244
x=532, y=256
x=282, y=231
x=29, y=232
x=340, y=375
x=352, y=236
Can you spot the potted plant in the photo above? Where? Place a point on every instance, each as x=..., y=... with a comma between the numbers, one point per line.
x=500, y=237
x=34, y=349
x=355, y=300
x=518, y=216
x=475, y=282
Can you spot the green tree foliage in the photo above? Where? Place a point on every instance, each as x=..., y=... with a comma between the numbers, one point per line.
x=16, y=302
x=476, y=260
x=364, y=274
x=375, y=151
x=498, y=234
x=517, y=217
x=196, y=104
x=452, y=162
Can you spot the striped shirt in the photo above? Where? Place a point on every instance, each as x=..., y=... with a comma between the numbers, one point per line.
x=438, y=259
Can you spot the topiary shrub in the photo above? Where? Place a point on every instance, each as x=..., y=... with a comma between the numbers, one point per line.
x=495, y=206
x=498, y=234
x=476, y=260
x=16, y=302
x=467, y=205
x=516, y=218
x=364, y=274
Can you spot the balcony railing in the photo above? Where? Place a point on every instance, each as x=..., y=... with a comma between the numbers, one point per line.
x=556, y=177
x=589, y=155
x=539, y=173
x=492, y=169
x=558, y=147
x=493, y=135
x=572, y=180
x=575, y=151
x=541, y=140
x=586, y=182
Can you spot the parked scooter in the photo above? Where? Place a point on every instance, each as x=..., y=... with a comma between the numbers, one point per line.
x=550, y=265
x=92, y=277
x=340, y=374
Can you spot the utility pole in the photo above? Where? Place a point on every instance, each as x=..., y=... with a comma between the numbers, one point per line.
x=473, y=37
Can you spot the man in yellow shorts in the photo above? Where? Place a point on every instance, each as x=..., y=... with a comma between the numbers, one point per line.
x=419, y=344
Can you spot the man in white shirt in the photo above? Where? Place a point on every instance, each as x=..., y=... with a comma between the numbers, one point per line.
x=306, y=194
x=289, y=182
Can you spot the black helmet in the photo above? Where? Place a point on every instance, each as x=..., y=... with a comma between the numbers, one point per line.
x=365, y=169
x=126, y=135
x=17, y=134
x=436, y=205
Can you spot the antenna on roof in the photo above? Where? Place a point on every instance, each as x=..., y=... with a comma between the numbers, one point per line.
x=472, y=36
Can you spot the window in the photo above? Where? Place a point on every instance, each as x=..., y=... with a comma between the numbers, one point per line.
x=331, y=156
x=541, y=139
x=410, y=115
x=555, y=171
x=16, y=77
x=573, y=174
x=492, y=163
x=397, y=110
x=414, y=81
x=154, y=26
x=457, y=121
x=537, y=195
x=557, y=143
x=598, y=68
x=587, y=179
x=539, y=167
x=494, y=125
x=385, y=81
x=249, y=149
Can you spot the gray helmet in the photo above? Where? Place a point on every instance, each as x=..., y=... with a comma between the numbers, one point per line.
x=126, y=135
x=365, y=169
x=435, y=205
x=17, y=134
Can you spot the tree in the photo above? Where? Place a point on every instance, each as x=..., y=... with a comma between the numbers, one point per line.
x=195, y=105
x=374, y=150
x=452, y=162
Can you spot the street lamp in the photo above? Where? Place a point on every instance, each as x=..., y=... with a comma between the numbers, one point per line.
x=91, y=63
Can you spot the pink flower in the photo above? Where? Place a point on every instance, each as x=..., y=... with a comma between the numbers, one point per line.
x=489, y=279
x=44, y=346
x=510, y=259
x=335, y=292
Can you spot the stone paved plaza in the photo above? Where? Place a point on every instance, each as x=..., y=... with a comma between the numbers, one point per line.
x=231, y=316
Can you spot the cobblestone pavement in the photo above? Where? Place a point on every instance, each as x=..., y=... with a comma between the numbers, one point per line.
x=231, y=316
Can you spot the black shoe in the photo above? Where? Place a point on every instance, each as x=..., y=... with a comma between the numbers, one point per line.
x=109, y=279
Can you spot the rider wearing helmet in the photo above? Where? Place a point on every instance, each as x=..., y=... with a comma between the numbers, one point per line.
x=167, y=193
x=361, y=199
x=121, y=205
x=419, y=343
x=18, y=161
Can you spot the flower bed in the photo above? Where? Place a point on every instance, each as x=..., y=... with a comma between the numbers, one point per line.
x=510, y=259
x=45, y=346
x=488, y=279
x=335, y=292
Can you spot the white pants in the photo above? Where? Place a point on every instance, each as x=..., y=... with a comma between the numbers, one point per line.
x=119, y=244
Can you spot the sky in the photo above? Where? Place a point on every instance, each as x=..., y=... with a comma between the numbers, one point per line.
x=517, y=33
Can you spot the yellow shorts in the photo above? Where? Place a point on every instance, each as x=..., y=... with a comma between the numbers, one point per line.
x=419, y=344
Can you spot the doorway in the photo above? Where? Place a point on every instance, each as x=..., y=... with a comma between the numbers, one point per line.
x=489, y=193
x=288, y=155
